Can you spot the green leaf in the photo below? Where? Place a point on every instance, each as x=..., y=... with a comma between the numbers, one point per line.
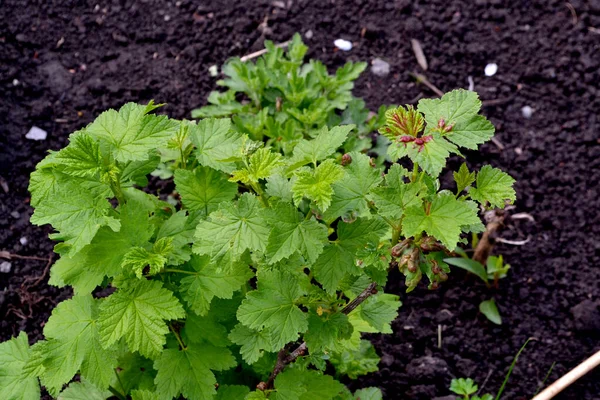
x=75, y=213
x=15, y=383
x=73, y=345
x=81, y=157
x=135, y=372
x=356, y=362
x=262, y=164
x=234, y=228
x=325, y=331
x=252, y=342
x=83, y=390
x=317, y=184
x=380, y=310
x=207, y=329
x=188, y=372
x=350, y=194
x=103, y=257
x=443, y=220
x=212, y=280
x=469, y=265
x=144, y=395
x=338, y=258
x=493, y=186
x=463, y=178
x=325, y=144
x=490, y=310
x=459, y=109
x=231, y=392
x=131, y=132
x=431, y=155
x=273, y=306
x=148, y=262
x=137, y=312
x=295, y=384
x=217, y=146
x=291, y=233
x=402, y=121
x=393, y=199
x=371, y=393
x=463, y=387
x=203, y=189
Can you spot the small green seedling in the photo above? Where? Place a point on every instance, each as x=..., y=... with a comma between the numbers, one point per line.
x=467, y=389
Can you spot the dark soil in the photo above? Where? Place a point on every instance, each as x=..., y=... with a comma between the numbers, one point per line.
x=63, y=62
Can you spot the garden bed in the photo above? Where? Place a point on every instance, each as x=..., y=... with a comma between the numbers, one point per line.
x=63, y=64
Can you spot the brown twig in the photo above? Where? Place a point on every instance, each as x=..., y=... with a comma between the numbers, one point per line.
x=261, y=52
x=9, y=256
x=495, y=221
x=423, y=79
x=419, y=54
x=283, y=358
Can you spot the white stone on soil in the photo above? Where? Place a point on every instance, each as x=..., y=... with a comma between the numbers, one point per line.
x=36, y=133
x=343, y=44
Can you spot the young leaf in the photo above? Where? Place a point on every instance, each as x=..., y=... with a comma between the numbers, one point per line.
x=371, y=393
x=402, y=121
x=295, y=384
x=138, y=259
x=212, y=280
x=81, y=157
x=380, y=310
x=338, y=258
x=273, y=306
x=103, y=257
x=350, y=193
x=493, y=186
x=15, y=383
x=262, y=163
x=430, y=152
x=458, y=109
x=463, y=387
x=467, y=264
x=490, y=310
x=356, y=362
x=131, y=132
x=188, y=372
x=291, y=233
x=137, y=312
x=83, y=390
x=203, y=189
x=252, y=342
x=443, y=220
x=463, y=178
x=325, y=331
x=391, y=200
x=319, y=148
x=76, y=213
x=217, y=146
x=73, y=345
x=234, y=228
x=316, y=184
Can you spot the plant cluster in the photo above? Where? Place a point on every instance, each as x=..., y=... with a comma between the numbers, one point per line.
x=271, y=264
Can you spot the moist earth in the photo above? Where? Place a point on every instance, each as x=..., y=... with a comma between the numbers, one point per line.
x=63, y=62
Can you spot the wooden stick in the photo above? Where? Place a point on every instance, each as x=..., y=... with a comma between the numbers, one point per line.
x=569, y=378
x=261, y=52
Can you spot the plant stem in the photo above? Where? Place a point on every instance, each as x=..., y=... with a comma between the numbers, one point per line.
x=116, y=189
x=284, y=359
x=177, y=337
x=395, y=236
x=179, y=271
x=415, y=172
x=117, y=393
x=260, y=193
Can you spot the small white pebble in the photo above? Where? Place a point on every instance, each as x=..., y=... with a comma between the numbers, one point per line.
x=5, y=267
x=23, y=241
x=15, y=214
x=380, y=68
x=308, y=34
x=491, y=69
x=36, y=133
x=343, y=44
x=177, y=4
x=15, y=82
x=213, y=71
x=167, y=18
x=527, y=112
x=518, y=151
